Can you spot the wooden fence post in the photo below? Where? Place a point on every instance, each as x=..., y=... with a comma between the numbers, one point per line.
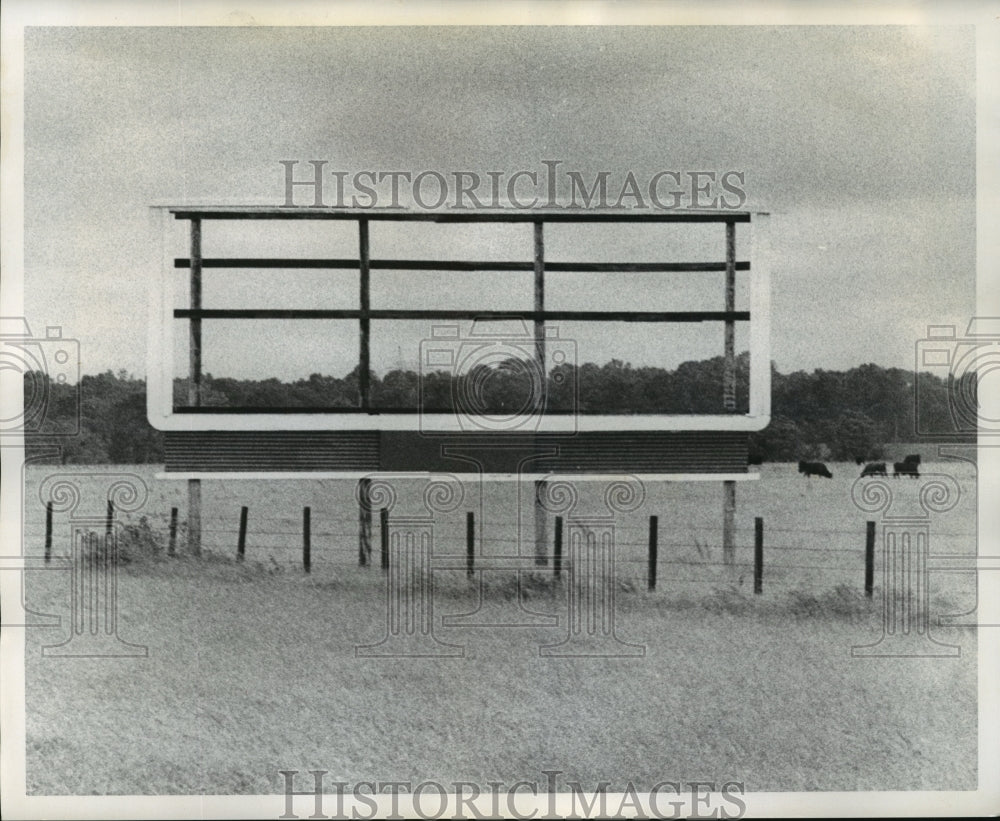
x=758, y=555
x=870, y=559
x=541, y=548
x=307, y=539
x=364, y=522
x=654, y=537
x=383, y=517
x=470, y=544
x=172, y=544
x=48, y=532
x=729, y=522
x=558, y=548
x=241, y=544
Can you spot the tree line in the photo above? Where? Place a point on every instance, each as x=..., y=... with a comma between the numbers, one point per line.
x=835, y=415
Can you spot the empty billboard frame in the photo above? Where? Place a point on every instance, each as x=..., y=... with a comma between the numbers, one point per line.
x=476, y=372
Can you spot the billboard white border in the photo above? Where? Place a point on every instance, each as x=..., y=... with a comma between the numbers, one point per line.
x=160, y=374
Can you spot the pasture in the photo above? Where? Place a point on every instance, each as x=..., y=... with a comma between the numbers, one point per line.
x=252, y=666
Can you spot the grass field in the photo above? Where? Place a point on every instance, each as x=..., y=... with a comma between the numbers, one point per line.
x=252, y=667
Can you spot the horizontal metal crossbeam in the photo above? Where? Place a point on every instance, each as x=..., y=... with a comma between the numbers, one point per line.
x=458, y=265
x=511, y=215
x=540, y=316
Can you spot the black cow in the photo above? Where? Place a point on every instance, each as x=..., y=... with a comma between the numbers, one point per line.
x=908, y=467
x=874, y=469
x=814, y=469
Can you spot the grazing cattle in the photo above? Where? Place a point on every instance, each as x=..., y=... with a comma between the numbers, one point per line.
x=814, y=469
x=908, y=467
x=874, y=469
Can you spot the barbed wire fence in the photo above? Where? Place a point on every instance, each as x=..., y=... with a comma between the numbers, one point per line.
x=649, y=554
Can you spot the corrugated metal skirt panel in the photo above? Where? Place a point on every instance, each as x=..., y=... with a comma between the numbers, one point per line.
x=271, y=451
x=603, y=452
x=650, y=452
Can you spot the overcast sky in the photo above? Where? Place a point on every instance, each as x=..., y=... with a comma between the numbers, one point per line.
x=859, y=141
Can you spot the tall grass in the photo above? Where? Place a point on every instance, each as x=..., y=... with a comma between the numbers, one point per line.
x=251, y=671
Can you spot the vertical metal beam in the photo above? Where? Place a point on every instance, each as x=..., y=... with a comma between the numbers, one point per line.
x=194, y=344
x=194, y=384
x=539, y=307
x=194, y=517
x=729, y=353
x=729, y=393
x=364, y=256
x=541, y=545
